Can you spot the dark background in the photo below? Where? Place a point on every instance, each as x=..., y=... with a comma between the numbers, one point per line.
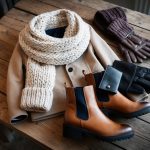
x=138, y=5
x=5, y=5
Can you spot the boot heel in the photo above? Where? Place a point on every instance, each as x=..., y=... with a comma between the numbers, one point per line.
x=71, y=131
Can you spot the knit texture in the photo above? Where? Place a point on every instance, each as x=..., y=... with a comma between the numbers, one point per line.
x=103, y=18
x=110, y=15
x=37, y=94
x=44, y=52
x=120, y=28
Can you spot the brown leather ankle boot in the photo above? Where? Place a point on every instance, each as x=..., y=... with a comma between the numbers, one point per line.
x=118, y=104
x=84, y=118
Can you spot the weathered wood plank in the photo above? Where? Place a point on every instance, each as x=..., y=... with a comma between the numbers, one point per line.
x=9, y=22
x=3, y=75
x=134, y=17
x=140, y=127
x=3, y=108
x=2, y=84
x=7, y=35
x=136, y=143
x=5, y=51
x=34, y=4
x=19, y=15
x=3, y=66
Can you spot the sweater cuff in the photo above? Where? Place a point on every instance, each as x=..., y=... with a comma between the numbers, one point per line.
x=36, y=99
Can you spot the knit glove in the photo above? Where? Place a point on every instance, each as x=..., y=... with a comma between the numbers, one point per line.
x=103, y=18
x=134, y=47
x=135, y=79
x=37, y=95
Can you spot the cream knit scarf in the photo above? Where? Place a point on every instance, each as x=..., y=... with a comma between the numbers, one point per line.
x=44, y=52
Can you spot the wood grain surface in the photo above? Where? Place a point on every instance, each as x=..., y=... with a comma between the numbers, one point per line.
x=49, y=132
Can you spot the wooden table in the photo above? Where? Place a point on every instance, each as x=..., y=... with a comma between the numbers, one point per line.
x=49, y=132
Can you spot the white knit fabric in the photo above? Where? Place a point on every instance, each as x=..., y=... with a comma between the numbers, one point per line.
x=44, y=52
x=37, y=94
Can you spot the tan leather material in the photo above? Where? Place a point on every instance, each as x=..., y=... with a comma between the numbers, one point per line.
x=122, y=104
x=70, y=113
x=118, y=101
x=97, y=121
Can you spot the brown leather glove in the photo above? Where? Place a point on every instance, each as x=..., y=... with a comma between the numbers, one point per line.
x=134, y=47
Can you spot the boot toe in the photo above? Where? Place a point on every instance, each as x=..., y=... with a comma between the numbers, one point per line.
x=126, y=128
x=126, y=132
x=144, y=108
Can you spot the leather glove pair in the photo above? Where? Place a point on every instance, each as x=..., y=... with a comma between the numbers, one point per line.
x=114, y=22
x=132, y=80
x=135, y=79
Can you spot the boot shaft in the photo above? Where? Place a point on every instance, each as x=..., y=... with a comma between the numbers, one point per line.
x=80, y=100
x=83, y=114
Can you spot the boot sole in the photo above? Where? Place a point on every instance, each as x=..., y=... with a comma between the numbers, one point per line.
x=114, y=113
x=70, y=131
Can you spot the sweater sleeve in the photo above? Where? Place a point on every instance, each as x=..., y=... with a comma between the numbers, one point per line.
x=105, y=54
x=15, y=85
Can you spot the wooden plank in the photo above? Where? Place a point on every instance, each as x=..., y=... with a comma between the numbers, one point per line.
x=8, y=36
x=134, y=17
x=145, y=118
x=9, y=22
x=19, y=15
x=4, y=67
x=3, y=84
x=42, y=7
x=3, y=75
x=34, y=4
x=140, y=127
x=136, y=143
x=3, y=108
x=5, y=51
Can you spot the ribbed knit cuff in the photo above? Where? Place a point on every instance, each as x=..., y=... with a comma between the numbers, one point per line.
x=111, y=14
x=36, y=99
x=120, y=28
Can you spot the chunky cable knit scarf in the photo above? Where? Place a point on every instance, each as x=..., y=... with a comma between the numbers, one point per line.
x=44, y=52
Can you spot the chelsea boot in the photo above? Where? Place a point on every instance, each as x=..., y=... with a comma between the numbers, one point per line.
x=117, y=103
x=84, y=118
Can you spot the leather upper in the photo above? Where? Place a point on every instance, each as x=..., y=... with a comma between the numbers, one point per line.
x=97, y=121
